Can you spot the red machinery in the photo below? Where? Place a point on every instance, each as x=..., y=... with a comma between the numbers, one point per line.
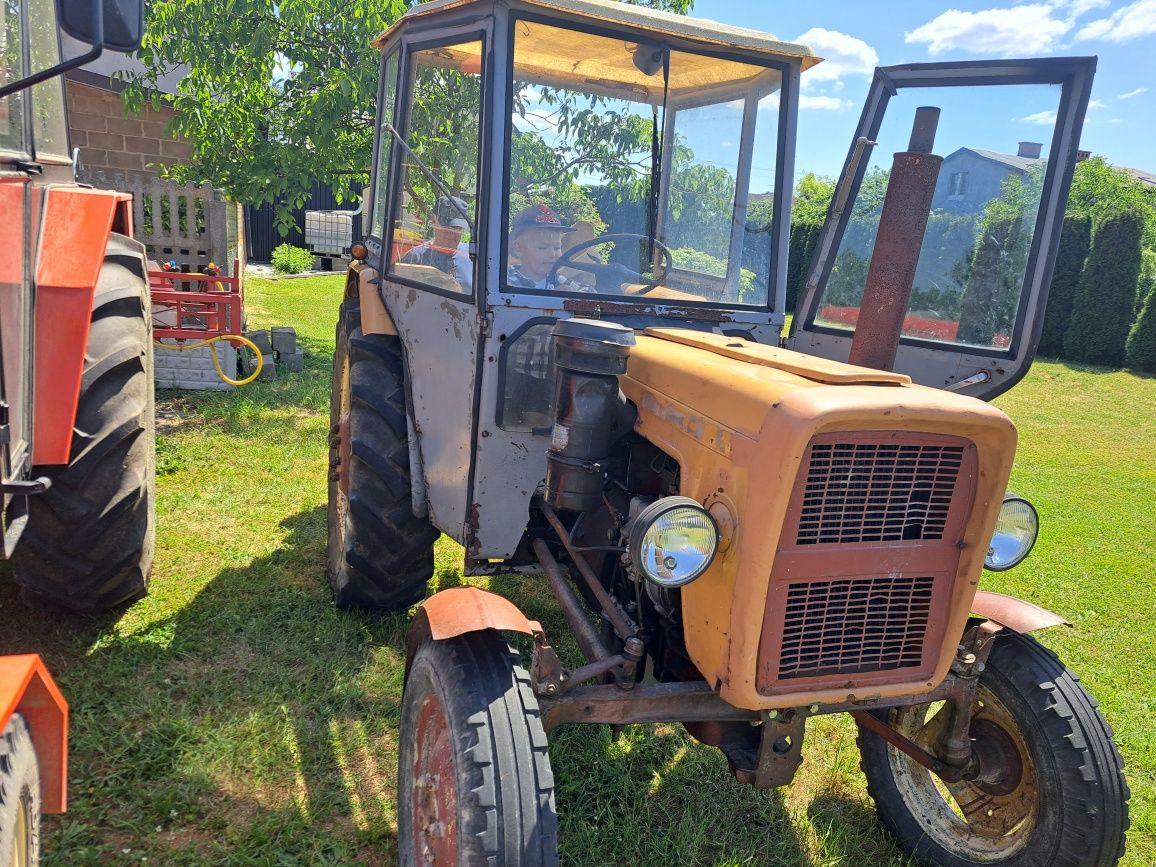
x=196, y=306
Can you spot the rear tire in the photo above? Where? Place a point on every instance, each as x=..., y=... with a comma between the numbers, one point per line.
x=19, y=796
x=380, y=556
x=475, y=786
x=1054, y=795
x=88, y=545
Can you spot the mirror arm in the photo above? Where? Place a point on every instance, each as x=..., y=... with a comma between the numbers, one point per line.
x=65, y=65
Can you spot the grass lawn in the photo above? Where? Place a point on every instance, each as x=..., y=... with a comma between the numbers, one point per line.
x=234, y=717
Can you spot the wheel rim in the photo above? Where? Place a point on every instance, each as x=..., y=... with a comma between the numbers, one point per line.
x=986, y=820
x=435, y=805
x=342, y=451
x=21, y=833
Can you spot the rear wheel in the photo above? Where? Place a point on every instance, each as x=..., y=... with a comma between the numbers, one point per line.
x=1051, y=789
x=88, y=545
x=19, y=796
x=380, y=556
x=474, y=778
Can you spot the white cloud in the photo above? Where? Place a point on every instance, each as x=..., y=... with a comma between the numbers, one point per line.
x=1076, y=8
x=1132, y=93
x=1043, y=118
x=1095, y=103
x=1116, y=120
x=842, y=55
x=824, y=103
x=1033, y=28
x=1131, y=22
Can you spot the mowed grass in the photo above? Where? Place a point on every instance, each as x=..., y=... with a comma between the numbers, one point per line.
x=234, y=717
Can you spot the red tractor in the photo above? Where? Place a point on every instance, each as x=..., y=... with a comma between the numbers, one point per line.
x=76, y=387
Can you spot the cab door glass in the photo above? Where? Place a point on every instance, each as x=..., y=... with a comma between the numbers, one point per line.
x=384, y=146
x=14, y=319
x=49, y=119
x=983, y=213
x=434, y=233
x=11, y=68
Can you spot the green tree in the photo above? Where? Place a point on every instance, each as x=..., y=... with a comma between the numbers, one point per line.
x=1100, y=191
x=1141, y=347
x=812, y=199
x=1105, y=299
x=275, y=95
x=1075, y=240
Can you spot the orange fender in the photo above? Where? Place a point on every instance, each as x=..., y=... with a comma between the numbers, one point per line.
x=76, y=222
x=28, y=689
x=1015, y=614
x=460, y=610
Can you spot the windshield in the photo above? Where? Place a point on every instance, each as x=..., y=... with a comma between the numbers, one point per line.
x=638, y=170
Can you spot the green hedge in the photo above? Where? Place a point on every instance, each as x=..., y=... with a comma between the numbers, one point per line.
x=1105, y=299
x=804, y=237
x=1141, y=347
x=1075, y=241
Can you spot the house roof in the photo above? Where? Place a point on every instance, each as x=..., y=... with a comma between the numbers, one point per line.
x=1139, y=174
x=1016, y=162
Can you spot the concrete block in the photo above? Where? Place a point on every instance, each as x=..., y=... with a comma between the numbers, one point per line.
x=284, y=339
x=261, y=338
x=269, y=371
x=294, y=362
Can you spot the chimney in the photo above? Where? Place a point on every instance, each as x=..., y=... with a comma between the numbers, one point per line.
x=1082, y=155
x=1030, y=149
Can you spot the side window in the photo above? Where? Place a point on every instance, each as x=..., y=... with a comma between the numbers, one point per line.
x=11, y=68
x=384, y=147
x=436, y=220
x=970, y=276
x=49, y=119
x=527, y=366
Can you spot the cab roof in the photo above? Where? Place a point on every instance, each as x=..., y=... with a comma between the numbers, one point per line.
x=668, y=24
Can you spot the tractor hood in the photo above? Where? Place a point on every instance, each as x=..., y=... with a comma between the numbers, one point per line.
x=758, y=434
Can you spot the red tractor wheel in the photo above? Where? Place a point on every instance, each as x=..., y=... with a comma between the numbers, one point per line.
x=88, y=545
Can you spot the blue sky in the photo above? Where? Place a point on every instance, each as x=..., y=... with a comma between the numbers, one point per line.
x=855, y=37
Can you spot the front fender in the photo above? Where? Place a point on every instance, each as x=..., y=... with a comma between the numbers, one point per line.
x=1014, y=614
x=460, y=610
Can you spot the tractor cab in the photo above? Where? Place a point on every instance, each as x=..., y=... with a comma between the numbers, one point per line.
x=537, y=161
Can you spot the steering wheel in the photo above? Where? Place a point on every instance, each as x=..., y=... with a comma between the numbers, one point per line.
x=609, y=277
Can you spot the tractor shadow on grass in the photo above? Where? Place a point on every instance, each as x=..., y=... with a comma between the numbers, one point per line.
x=252, y=724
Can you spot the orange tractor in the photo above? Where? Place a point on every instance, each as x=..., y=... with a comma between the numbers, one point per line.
x=76, y=390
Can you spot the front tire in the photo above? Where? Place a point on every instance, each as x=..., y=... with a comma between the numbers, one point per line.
x=1052, y=793
x=88, y=545
x=474, y=778
x=379, y=556
x=19, y=796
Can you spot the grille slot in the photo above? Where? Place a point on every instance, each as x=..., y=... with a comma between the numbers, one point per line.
x=877, y=492
x=854, y=625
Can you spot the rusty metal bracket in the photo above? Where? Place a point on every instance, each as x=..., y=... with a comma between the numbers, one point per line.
x=780, y=750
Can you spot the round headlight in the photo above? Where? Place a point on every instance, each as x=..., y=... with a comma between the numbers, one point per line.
x=1015, y=534
x=673, y=541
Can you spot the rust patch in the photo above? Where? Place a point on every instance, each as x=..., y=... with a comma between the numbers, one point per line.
x=627, y=308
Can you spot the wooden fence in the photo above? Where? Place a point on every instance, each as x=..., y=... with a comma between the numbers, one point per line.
x=191, y=226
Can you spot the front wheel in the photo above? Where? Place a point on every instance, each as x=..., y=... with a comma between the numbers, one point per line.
x=1051, y=791
x=19, y=796
x=474, y=777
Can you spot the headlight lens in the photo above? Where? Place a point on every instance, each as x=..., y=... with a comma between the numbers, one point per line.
x=1015, y=534
x=673, y=541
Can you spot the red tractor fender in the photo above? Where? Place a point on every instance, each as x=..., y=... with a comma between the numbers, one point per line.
x=75, y=223
x=28, y=689
x=1014, y=614
x=459, y=610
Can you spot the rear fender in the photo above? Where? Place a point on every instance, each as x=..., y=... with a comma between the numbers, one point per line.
x=363, y=282
x=459, y=610
x=1014, y=614
x=28, y=689
x=74, y=227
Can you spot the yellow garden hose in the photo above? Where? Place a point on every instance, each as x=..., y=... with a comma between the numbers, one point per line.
x=217, y=361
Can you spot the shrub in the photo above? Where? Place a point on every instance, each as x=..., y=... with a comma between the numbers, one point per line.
x=1141, y=348
x=804, y=237
x=1106, y=297
x=288, y=259
x=1075, y=239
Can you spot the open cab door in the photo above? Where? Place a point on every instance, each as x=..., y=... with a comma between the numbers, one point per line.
x=980, y=242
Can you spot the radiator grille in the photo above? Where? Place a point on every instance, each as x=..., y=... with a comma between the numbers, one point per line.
x=854, y=625
x=877, y=492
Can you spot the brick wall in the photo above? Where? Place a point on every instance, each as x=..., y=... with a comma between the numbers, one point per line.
x=109, y=140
